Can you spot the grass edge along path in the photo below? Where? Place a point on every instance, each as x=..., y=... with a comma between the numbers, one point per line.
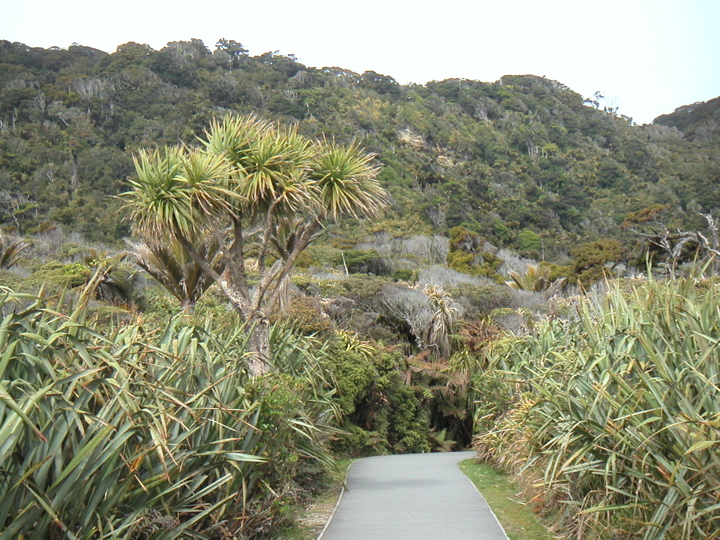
x=500, y=492
x=312, y=518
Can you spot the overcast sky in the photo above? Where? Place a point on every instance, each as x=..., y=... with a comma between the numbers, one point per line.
x=648, y=56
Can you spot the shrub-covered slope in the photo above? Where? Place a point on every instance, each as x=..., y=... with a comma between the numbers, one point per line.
x=523, y=154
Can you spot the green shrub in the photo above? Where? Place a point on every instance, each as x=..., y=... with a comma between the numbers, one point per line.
x=11, y=280
x=590, y=259
x=528, y=243
x=365, y=291
x=404, y=274
x=463, y=239
x=479, y=300
x=475, y=263
x=57, y=276
x=404, y=421
x=319, y=255
x=359, y=261
x=376, y=399
x=354, y=374
x=462, y=261
x=305, y=315
x=354, y=441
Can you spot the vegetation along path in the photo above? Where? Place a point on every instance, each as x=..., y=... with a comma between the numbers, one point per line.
x=412, y=496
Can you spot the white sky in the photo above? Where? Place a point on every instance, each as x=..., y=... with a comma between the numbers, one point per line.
x=648, y=56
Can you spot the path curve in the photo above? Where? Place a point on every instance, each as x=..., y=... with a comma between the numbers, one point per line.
x=412, y=496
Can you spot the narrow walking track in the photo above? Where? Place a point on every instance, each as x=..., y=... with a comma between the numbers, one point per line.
x=412, y=496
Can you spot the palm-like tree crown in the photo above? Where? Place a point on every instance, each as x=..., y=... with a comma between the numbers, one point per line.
x=177, y=190
x=347, y=180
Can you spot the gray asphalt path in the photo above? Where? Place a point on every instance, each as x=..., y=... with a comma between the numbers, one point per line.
x=412, y=496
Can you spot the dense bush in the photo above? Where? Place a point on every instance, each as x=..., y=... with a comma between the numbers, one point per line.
x=613, y=418
x=129, y=434
x=367, y=262
x=384, y=414
x=479, y=300
x=512, y=160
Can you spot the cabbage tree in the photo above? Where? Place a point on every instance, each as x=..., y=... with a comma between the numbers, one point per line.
x=264, y=191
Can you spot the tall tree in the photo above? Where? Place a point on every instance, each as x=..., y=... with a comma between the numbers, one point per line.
x=259, y=188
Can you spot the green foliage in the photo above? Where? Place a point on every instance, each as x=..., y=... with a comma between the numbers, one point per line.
x=558, y=271
x=383, y=413
x=644, y=215
x=404, y=274
x=529, y=242
x=10, y=280
x=613, y=418
x=365, y=262
x=354, y=374
x=306, y=316
x=364, y=290
x=250, y=174
x=57, y=276
x=404, y=421
x=494, y=399
x=479, y=300
x=590, y=259
x=319, y=254
x=462, y=261
x=536, y=278
x=523, y=153
x=129, y=433
x=466, y=254
x=476, y=264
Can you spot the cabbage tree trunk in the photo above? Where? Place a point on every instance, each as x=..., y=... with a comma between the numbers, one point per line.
x=259, y=345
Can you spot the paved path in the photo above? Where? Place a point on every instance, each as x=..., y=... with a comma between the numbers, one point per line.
x=412, y=496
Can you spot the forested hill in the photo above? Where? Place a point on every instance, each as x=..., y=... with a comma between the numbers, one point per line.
x=519, y=160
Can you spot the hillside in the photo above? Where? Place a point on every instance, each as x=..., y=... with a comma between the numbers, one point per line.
x=524, y=162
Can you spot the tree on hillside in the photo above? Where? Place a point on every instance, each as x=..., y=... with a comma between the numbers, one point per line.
x=263, y=191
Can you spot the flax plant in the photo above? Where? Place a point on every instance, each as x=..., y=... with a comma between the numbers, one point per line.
x=617, y=416
x=129, y=435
